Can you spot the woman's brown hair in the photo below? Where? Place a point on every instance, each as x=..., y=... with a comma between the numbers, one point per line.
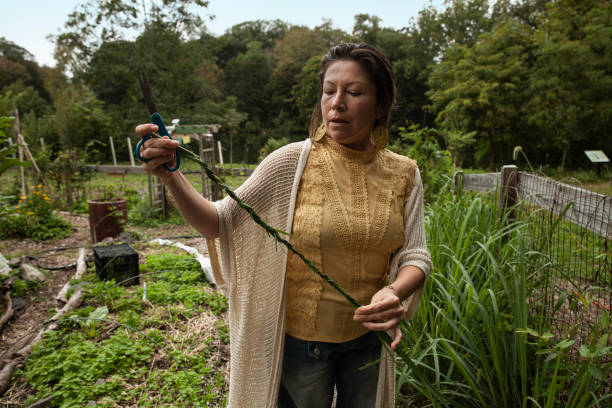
x=375, y=64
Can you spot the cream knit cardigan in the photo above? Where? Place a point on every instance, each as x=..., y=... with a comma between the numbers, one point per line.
x=249, y=268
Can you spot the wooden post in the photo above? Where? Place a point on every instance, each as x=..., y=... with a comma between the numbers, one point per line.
x=112, y=146
x=508, y=191
x=10, y=140
x=202, y=173
x=24, y=187
x=220, y=152
x=23, y=146
x=129, y=142
x=149, y=179
x=458, y=183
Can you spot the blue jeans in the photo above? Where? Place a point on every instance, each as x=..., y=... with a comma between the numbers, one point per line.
x=311, y=368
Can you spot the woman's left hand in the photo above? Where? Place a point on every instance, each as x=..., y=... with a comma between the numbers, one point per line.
x=384, y=313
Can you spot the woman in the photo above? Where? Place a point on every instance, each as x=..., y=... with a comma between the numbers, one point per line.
x=355, y=210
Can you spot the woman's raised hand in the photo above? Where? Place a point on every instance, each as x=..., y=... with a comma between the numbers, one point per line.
x=160, y=151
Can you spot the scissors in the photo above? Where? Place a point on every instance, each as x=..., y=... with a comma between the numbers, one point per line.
x=156, y=119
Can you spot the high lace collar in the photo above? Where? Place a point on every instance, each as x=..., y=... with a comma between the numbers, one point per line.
x=346, y=153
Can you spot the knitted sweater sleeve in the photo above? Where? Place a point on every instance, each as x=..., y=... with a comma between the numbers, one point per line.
x=414, y=251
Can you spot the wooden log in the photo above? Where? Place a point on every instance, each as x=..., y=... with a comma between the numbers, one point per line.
x=8, y=313
x=81, y=269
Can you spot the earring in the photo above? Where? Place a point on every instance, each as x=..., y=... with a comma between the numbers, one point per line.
x=380, y=137
x=320, y=132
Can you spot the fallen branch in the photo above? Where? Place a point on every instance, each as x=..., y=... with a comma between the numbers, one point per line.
x=16, y=359
x=7, y=285
x=8, y=313
x=80, y=271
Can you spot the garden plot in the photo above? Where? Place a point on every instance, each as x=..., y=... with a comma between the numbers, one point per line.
x=122, y=347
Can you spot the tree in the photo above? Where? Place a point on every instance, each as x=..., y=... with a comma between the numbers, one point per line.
x=236, y=39
x=290, y=55
x=306, y=90
x=481, y=88
x=571, y=83
x=246, y=78
x=99, y=21
x=17, y=64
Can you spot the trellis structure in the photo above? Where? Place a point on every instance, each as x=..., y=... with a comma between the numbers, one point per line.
x=207, y=151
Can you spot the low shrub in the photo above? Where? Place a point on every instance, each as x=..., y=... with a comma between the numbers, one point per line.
x=33, y=217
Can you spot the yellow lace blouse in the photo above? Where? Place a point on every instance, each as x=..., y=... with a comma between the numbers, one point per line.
x=348, y=220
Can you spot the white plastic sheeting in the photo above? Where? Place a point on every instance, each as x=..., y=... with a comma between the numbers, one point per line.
x=204, y=261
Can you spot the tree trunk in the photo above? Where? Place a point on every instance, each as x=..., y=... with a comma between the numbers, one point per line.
x=492, y=149
x=564, y=155
x=68, y=182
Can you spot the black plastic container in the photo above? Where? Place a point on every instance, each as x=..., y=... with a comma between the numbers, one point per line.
x=118, y=262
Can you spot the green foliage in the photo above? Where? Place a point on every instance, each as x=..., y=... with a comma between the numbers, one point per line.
x=435, y=164
x=480, y=89
x=271, y=145
x=180, y=280
x=95, y=22
x=56, y=367
x=306, y=89
x=89, y=358
x=478, y=338
x=32, y=217
x=23, y=288
x=6, y=150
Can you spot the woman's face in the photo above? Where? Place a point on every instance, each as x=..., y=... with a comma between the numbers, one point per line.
x=348, y=104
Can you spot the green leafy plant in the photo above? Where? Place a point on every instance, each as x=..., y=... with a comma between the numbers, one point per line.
x=33, y=217
x=435, y=164
x=477, y=339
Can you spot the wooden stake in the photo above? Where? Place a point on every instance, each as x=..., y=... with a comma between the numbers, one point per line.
x=112, y=145
x=129, y=142
x=23, y=145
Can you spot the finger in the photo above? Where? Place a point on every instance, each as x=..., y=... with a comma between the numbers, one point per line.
x=381, y=326
x=143, y=129
x=152, y=165
x=386, y=303
x=394, y=313
x=152, y=152
x=398, y=337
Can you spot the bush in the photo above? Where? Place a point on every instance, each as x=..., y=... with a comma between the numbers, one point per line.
x=435, y=164
x=32, y=217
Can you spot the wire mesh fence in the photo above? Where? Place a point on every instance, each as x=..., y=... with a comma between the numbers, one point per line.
x=572, y=227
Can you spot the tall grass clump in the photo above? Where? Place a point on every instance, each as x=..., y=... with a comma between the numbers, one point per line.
x=478, y=338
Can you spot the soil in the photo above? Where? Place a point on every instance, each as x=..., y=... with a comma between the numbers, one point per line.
x=60, y=255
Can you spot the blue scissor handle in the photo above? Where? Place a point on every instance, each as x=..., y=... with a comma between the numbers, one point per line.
x=156, y=119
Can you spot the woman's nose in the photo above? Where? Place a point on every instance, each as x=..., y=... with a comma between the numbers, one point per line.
x=338, y=102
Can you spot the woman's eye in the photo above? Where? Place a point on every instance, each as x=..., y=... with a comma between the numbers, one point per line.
x=354, y=93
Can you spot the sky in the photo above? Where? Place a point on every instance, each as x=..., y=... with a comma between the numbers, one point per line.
x=27, y=23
